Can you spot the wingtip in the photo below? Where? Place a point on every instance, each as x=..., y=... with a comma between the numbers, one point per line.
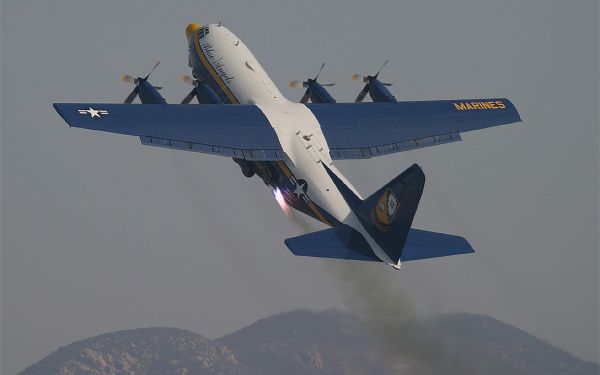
x=287, y=243
x=519, y=119
x=467, y=245
x=59, y=110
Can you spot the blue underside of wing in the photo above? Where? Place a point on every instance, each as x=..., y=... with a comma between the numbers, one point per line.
x=365, y=130
x=240, y=131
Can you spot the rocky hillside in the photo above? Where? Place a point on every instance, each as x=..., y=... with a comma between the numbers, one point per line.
x=330, y=342
x=140, y=351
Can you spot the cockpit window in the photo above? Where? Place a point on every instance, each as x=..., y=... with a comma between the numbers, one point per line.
x=202, y=32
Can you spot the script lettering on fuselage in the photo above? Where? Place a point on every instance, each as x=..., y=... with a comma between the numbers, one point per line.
x=218, y=63
x=469, y=106
x=208, y=50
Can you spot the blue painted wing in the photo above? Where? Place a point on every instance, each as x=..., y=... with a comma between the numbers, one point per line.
x=365, y=130
x=422, y=244
x=332, y=243
x=240, y=131
x=345, y=243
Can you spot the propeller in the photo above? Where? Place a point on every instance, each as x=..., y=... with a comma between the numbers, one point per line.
x=367, y=80
x=308, y=84
x=136, y=81
x=202, y=91
x=187, y=79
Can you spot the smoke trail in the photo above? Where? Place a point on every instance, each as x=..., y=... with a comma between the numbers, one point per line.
x=368, y=290
x=371, y=291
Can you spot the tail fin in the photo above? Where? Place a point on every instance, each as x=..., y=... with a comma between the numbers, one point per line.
x=388, y=213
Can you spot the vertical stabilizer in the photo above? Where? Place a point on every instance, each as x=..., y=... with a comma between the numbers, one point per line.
x=388, y=213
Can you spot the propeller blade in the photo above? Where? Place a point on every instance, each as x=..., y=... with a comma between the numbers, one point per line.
x=189, y=97
x=187, y=79
x=328, y=84
x=131, y=97
x=379, y=71
x=295, y=84
x=305, y=97
x=387, y=84
x=126, y=78
x=158, y=87
x=357, y=77
x=320, y=70
x=151, y=70
x=362, y=94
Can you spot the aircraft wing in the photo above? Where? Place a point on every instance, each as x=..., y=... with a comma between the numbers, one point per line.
x=240, y=131
x=365, y=130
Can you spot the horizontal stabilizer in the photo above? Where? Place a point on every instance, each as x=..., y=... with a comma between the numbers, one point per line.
x=422, y=244
x=240, y=131
x=341, y=242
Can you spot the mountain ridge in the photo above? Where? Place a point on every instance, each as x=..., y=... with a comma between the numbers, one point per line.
x=324, y=342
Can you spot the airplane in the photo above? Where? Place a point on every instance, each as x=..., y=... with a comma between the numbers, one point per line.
x=292, y=146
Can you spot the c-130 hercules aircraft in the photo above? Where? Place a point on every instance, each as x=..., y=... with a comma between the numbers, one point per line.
x=292, y=146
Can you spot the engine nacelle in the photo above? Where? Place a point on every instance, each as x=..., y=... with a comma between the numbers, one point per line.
x=246, y=166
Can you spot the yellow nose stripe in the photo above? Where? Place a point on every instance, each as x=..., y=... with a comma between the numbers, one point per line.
x=191, y=28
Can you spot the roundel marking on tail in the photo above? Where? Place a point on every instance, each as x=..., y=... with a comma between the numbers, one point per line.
x=385, y=210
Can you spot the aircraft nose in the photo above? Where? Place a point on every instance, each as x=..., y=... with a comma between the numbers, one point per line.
x=191, y=28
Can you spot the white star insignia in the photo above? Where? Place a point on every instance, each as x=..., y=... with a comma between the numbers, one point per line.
x=299, y=191
x=93, y=112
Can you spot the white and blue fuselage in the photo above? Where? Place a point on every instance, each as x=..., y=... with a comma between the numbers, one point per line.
x=219, y=58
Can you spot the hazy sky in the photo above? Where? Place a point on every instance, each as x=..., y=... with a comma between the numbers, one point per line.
x=100, y=233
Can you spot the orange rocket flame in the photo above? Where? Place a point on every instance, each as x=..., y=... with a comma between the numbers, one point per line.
x=281, y=201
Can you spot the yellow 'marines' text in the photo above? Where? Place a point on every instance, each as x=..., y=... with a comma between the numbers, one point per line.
x=468, y=106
